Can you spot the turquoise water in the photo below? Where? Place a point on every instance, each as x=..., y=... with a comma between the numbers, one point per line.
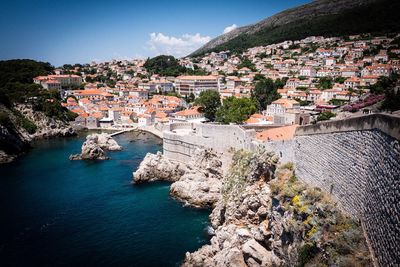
x=56, y=212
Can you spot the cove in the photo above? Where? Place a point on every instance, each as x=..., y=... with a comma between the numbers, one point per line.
x=56, y=212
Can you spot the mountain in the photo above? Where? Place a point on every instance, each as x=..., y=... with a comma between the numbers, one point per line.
x=320, y=17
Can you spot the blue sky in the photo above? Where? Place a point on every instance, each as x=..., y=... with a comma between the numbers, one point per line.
x=71, y=31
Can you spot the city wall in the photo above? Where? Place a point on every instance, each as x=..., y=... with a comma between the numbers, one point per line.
x=356, y=160
x=180, y=140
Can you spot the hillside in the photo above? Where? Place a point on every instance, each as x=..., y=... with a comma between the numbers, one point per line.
x=321, y=17
x=27, y=111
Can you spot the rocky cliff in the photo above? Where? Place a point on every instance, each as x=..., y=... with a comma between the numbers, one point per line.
x=262, y=215
x=20, y=125
x=196, y=183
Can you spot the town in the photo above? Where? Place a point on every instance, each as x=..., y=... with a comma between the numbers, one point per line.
x=291, y=83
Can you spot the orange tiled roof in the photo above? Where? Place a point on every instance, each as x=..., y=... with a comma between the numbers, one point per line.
x=277, y=134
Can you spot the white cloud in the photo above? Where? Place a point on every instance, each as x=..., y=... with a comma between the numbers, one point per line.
x=176, y=46
x=230, y=28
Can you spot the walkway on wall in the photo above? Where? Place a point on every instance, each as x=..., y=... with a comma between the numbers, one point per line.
x=123, y=131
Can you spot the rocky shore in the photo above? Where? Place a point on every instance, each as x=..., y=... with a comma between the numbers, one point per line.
x=197, y=183
x=262, y=215
x=15, y=139
x=95, y=147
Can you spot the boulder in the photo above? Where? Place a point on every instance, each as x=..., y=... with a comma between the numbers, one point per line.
x=155, y=167
x=196, y=183
x=95, y=146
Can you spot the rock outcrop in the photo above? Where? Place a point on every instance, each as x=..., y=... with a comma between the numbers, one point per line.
x=267, y=220
x=15, y=139
x=196, y=183
x=47, y=127
x=155, y=167
x=242, y=235
x=262, y=216
x=95, y=146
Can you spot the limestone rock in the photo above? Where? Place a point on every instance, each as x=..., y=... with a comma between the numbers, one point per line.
x=196, y=183
x=155, y=167
x=257, y=255
x=95, y=146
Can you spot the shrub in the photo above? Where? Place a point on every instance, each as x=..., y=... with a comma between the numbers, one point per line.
x=307, y=253
x=5, y=120
x=25, y=123
x=327, y=115
x=288, y=166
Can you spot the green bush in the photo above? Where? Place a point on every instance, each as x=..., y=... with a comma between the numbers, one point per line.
x=5, y=120
x=25, y=123
x=324, y=116
x=306, y=253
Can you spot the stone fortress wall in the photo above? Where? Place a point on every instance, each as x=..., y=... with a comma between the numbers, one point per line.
x=180, y=140
x=356, y=160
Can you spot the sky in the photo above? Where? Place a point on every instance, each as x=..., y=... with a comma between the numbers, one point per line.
x=72, y=31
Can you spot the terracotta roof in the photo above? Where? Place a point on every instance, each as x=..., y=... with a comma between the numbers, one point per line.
x=197, y=77
x=188, y=112
x=277, y=134
x=285, y=102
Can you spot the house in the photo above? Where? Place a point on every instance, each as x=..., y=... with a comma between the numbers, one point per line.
x=350, y=72
x=283, y=111
x=65, y=81
x=106, y=123
x=259, y=119
x=377, y=70
x=186, y=85
x=368, y=80
x=92, y=122
x=329, y=94
x=330, y=61
x=189, y=115
x=292, y=83
x=232, y=82
x=352, y=82
x=51, y=84
x=282, y=105
x=147, y=118
x=308, y=72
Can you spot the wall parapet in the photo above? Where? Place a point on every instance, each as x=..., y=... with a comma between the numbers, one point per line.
x=386, y=123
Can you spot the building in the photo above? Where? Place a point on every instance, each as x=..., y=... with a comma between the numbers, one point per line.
x=106, y=122
x=186, y=85
x=281, y=106
x=66, y=81
x=352, y=82
x=189, y=115
x=259, y=119
x=232, y=82
x=308, y=72
x=147, y=118
x=51, y=84
x=286, y=111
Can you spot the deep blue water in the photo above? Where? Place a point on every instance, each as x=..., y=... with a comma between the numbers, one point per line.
x=56, y=212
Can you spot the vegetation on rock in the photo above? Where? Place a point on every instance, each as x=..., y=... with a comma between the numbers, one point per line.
x=378, y=17
x=329, y=237
x=246, y=168
x=16, y=86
